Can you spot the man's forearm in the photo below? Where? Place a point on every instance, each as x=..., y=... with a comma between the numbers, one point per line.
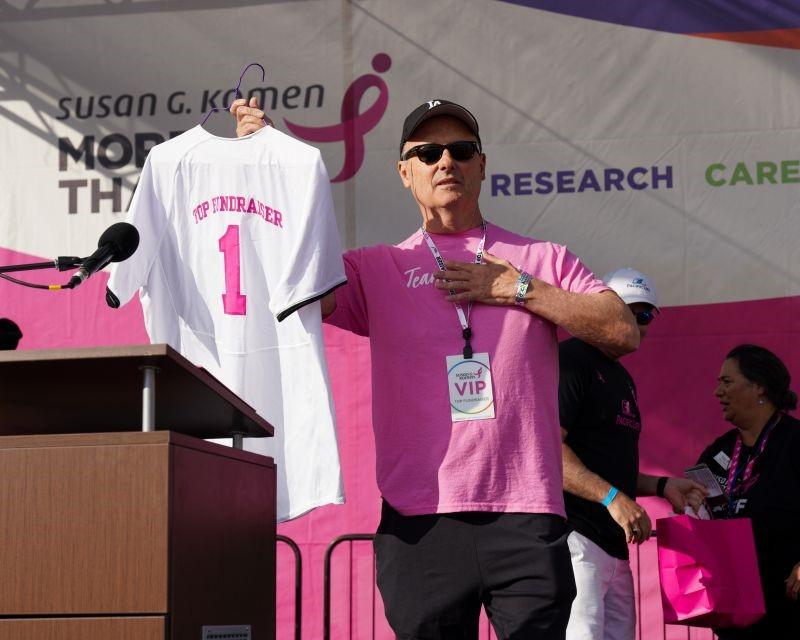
x=583, y=483
x=328, y=304
x=601, y=319
x=579, y=481
x=646, y=485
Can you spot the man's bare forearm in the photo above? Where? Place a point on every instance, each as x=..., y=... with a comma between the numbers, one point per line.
x=646, y=485
x=601, y=319
x=328, y=304
x=579, y=481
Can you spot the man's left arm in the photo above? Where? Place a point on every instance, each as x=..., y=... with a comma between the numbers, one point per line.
x=602, y=319
x=679, y=492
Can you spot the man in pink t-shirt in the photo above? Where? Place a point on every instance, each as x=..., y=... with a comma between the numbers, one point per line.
x=462, y=321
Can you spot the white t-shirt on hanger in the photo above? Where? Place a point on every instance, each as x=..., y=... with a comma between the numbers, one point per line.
x=238, y=242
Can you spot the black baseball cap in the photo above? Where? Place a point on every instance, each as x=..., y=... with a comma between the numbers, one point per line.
x=433, y=108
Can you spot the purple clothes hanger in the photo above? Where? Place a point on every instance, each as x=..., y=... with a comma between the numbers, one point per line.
x=238, y=92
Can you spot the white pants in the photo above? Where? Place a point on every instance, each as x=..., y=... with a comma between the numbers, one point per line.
x=604, y=608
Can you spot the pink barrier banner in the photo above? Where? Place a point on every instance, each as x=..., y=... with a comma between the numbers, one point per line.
x=709, y=572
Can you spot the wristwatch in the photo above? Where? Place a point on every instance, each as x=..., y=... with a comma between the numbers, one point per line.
x=523, y=282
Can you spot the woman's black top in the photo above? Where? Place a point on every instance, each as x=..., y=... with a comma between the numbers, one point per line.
x=772, y=501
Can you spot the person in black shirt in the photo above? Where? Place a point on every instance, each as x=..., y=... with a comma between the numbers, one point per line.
x=600, y=423
x=758, y=465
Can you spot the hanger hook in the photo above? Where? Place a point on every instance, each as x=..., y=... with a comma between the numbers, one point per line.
x=237, y=90
x=241, y=77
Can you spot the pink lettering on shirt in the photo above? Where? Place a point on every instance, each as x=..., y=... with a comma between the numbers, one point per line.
x=237, y=204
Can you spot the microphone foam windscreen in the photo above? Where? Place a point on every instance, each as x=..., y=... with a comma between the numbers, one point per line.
x=123, y=237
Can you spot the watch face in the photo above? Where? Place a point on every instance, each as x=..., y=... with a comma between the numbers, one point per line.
x=523, y=282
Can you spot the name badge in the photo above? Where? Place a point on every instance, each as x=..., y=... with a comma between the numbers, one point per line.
x=723, y=460
x=470, y=384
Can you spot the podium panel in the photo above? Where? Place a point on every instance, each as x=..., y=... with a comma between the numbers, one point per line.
x=151, y=628
x=84, y=525
x=222, y=565
x=98, y=390
x=174, y=530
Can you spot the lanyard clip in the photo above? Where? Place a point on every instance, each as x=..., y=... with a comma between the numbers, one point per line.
x=467, y=333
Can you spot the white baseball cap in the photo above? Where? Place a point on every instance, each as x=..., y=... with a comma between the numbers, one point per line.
x=632, y=286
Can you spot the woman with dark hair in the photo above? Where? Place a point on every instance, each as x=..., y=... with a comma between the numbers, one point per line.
x=758, y=464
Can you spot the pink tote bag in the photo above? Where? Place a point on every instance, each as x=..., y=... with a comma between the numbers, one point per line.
x=709, y=572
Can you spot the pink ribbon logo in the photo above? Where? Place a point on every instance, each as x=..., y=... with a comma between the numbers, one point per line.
x=354, y=125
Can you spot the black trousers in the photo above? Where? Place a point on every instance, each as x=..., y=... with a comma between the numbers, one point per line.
x=436, y=571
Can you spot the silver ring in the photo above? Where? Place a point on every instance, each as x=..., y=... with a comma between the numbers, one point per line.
x=635, y=532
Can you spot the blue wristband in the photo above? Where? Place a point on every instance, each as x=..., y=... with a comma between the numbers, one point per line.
x=612, y=493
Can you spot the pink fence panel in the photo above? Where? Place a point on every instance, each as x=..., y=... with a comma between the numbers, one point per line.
x=354, y=610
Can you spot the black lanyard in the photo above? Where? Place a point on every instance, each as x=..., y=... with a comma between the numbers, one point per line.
x=466, y=330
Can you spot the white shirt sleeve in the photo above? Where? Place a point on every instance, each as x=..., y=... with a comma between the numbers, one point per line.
x=148, y=213
x=314, y=265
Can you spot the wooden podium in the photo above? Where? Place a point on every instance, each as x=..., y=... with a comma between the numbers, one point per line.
x=110, y=533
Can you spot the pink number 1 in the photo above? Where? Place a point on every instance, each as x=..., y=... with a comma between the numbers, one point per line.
x=234, y=303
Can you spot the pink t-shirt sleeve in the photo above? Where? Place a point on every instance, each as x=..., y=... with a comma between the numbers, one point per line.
x=351, y=305
x=574, y=276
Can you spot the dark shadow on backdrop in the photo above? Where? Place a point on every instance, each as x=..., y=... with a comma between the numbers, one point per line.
x=10, y=334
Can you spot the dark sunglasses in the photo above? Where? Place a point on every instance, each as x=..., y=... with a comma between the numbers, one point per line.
x=645, y=317
x=461, y=151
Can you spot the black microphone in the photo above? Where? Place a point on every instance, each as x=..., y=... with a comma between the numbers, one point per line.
x=117, y=243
